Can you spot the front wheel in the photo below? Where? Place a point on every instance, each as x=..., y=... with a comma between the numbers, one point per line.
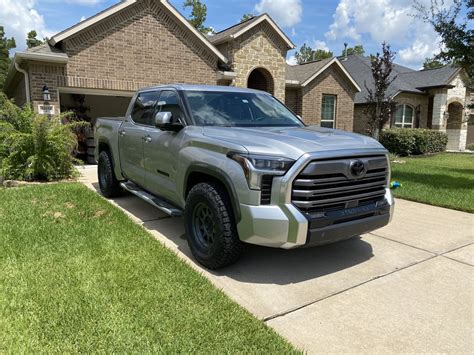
x=108, y=183
x=210, y=226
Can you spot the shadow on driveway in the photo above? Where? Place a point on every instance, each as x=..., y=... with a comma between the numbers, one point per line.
x=260, y=265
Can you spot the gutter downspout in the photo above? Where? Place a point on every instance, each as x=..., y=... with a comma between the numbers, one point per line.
x=27, y=81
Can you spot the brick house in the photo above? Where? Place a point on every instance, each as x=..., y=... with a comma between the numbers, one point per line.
x=97, y=64
x=435, y=98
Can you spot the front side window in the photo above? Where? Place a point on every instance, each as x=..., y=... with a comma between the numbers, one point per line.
x=169, y=102
x=328, y=111
x=144, y=108
x=404, y=116
x=239, y=109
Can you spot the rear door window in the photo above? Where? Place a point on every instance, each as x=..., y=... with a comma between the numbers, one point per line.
x=144, y=108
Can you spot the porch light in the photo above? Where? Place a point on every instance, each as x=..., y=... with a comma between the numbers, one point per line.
x=46, y=94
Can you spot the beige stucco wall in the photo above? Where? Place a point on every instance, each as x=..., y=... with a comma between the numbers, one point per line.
x=260, y=47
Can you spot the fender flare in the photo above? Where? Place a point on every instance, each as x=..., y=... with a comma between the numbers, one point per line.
x=220, y=176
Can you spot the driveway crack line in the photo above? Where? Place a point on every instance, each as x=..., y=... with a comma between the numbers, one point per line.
x=282, y=314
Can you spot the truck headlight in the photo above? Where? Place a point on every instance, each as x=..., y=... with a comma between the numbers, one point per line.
x=255, y=166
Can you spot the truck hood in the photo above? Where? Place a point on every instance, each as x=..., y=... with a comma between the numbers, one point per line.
x=291, y=142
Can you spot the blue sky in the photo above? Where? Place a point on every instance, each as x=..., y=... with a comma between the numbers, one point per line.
x=325, y=24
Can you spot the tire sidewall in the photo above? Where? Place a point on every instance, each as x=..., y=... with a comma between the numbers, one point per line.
x=201, y=253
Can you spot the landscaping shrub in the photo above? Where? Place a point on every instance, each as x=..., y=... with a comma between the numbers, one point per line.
x=470, y=146
x=413, y=141
x=34, y=147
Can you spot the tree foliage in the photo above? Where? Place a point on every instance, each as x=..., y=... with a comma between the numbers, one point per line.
x=198, y=15
x=33, y=146
x=5, y=45
x=246, y=17
x=432, y=63
x=357, y=49
x=380, y=105
x=307, y=54
x=32, y=40
x=456, y=35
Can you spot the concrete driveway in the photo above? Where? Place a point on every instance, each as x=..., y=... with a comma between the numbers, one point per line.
x=408, y=287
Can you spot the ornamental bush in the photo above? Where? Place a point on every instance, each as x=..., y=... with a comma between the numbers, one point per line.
x=33, y=146
x=413, y=141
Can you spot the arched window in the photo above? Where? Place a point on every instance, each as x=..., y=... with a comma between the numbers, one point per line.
x=404, y=116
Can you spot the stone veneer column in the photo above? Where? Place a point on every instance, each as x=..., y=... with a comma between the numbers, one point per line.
x=439, y=108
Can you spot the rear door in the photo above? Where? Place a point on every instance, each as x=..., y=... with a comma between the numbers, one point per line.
x=133, y=133
x=161, y=149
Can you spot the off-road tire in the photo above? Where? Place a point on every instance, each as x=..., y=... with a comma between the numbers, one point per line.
x=226, y=246
x=108, y=183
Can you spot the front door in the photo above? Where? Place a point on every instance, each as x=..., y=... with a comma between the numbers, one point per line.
x=132, y=136
x=161, y=150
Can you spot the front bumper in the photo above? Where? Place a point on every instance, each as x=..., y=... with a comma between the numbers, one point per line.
x=284, y=226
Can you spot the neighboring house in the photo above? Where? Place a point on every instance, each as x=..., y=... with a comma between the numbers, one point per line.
x=96, y=65
x=435, y=98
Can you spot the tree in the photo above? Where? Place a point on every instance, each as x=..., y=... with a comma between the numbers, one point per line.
x=432, y=63
x=246, y=17
x=31, y=40
x=198, y=15
x=5, y=45
x=380, y=106
x=357, y=49
x=308, y=54
x=454, y=31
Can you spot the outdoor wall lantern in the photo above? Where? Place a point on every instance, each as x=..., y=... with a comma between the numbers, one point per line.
x=46, y=94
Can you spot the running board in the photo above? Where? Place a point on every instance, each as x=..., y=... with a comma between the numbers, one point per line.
x=162, y=205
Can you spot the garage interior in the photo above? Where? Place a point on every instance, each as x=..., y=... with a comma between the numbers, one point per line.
x=89, y=107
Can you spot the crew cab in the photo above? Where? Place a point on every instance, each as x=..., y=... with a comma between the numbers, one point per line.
x=242, y=168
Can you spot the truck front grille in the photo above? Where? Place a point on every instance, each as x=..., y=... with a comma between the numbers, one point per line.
x=331, y=185
x=266, y=189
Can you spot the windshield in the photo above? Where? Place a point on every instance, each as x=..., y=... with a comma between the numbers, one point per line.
x=240, y=109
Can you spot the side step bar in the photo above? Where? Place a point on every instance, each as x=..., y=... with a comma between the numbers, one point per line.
x=162, y=205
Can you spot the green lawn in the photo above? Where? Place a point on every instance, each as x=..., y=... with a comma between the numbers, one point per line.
x=445, y=180
x=77, y=275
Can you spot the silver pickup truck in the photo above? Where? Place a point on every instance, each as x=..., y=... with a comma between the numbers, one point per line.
x=242, y=168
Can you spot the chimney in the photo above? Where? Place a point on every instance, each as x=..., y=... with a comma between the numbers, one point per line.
x=345, y=51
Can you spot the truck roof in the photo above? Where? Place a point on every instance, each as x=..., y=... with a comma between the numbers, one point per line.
x=192, y=87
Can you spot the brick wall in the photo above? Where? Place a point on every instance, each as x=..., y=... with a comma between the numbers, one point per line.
x=140, y=46
x=331, y=82
x=293, y=99
x=259, y=47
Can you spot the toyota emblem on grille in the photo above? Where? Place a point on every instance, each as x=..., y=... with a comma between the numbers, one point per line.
x=357, y=168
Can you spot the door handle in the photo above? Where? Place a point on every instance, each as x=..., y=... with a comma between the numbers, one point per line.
x=147, y=139
x=122, y=132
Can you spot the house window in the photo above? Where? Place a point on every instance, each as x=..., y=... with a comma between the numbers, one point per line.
x=328, y=111
x=404, y=116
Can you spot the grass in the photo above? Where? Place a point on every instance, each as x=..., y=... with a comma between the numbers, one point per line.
x=77, y=275
x=445, y=180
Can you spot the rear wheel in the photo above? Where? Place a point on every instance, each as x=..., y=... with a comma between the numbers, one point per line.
x=108, y=183
x=210, y=226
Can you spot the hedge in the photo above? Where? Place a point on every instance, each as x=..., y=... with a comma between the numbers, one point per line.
x=413, y=141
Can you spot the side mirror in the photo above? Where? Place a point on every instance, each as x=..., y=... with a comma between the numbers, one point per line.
x=162, y=119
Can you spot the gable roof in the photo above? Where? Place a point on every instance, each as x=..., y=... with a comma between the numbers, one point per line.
x=240, y=28
x=306, y=73
x=407, y=80
x=61, y=36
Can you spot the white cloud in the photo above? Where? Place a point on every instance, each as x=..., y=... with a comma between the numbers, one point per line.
x=286, y=13
x=84, y=2
x=385, y=20
x=20, y=17
x=82, y=18
x=320, y=45
x=291, y=60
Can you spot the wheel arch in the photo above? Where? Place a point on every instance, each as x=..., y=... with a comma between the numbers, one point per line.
x=198, y=173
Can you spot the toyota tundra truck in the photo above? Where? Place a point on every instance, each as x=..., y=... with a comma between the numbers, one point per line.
x=240, y=167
